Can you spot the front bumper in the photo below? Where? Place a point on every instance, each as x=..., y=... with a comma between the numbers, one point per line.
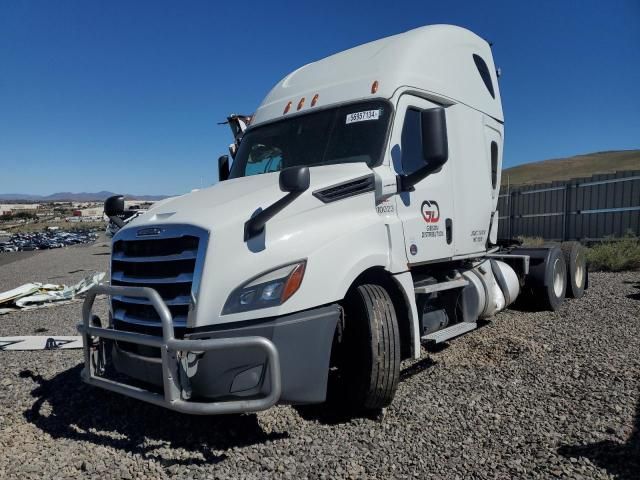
x=244, y=368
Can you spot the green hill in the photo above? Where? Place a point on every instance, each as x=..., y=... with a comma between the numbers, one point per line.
x=572, y=167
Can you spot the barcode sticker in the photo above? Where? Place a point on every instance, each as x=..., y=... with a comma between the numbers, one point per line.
x=363, y=116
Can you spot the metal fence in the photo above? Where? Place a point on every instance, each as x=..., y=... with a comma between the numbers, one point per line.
x=578, y=209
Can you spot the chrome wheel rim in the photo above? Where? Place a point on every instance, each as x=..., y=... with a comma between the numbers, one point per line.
x=558, y=278
x=580, y=268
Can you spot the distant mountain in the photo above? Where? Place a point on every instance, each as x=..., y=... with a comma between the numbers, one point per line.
x=572, y=167
x=74, y=197
x=529, y=173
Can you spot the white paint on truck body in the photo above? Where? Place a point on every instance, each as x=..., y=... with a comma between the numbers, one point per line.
x=424, y=68
x=435, y=58
x=339, y=240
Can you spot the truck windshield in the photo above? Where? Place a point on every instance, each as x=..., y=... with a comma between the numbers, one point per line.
x=345, y=134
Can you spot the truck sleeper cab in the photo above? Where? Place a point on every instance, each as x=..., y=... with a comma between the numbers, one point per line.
x=358, y=219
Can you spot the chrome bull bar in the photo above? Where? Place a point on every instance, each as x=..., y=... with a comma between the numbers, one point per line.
x=172, y=350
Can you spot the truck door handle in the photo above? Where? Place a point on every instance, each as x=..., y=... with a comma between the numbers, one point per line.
x=448, y=227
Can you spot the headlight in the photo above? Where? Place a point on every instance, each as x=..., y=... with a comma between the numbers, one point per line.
x=268, y=290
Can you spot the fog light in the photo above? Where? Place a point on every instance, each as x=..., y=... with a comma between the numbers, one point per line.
x=246, y=380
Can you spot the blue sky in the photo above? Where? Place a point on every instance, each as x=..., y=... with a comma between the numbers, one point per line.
x=125, y=96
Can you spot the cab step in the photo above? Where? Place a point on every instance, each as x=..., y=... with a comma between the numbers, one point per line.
x=450, y=332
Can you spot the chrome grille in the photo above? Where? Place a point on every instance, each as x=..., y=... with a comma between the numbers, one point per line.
x=170, y=262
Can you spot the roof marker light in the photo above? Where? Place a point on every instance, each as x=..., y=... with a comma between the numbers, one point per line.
x=301, y=103
x=314, y=100
x=374, y=87
x=287, y=108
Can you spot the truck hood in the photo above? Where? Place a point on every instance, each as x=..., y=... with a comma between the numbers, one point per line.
x=322, y=234
x=236, y=200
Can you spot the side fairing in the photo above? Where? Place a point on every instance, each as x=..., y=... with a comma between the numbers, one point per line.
x=472, y=185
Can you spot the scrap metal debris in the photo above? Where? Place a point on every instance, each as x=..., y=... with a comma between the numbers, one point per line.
x=36, y=295
x=34, y=342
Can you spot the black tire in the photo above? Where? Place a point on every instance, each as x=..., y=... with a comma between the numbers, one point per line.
x=576, y=260
x=367, y=352
x=552, y=294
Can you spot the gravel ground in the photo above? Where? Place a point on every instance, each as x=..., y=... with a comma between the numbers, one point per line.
x=529, y=395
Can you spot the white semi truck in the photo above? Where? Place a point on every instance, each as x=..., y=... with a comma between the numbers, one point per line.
x=357, y=220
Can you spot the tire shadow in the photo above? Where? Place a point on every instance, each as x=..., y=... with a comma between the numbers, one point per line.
x=435, y=347
x=417, y=367
x=528, y=304
x=619, y=459
x=634, y=296
x=331, y=413
x=65, y=407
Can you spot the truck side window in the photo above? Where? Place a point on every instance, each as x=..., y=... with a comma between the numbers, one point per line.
x=411, y=142
x=483, y=70
x=494, y=164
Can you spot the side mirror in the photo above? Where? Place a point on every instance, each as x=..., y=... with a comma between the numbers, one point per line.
x=435, y=146
x=223, y=167
x=114, y=206
x=294, y=179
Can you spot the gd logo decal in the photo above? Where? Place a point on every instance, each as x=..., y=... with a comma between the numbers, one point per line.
x=430, y=211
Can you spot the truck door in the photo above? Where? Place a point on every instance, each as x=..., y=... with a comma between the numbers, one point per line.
x=427, y=211
x=477, y=179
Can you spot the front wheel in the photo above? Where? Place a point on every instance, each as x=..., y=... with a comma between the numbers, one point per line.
x=366, y=357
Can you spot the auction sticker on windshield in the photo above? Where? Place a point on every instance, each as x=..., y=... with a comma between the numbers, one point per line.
x=363, y=116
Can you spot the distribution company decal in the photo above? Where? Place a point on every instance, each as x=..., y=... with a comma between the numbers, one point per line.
x=430, y=211
x=431, y=215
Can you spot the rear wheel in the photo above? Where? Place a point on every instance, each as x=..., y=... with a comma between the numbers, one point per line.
x=552, y=294
x=576, y=261
x=366, y=357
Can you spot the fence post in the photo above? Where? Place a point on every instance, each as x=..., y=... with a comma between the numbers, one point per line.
x=511, y=194
x=565, y=212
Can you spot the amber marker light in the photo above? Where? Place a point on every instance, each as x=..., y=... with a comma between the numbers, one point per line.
x=374, y=86
x=301, y=103
x=314, y=100
x=287, y=108
x=293, y=282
